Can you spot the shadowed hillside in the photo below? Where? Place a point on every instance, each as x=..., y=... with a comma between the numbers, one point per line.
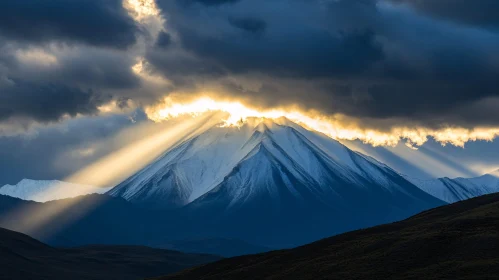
x=458, y=241
x=101, y=219
x=22, y=257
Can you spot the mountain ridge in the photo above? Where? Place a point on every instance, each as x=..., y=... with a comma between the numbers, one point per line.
x=456, y=189
x=456, y=241
x=46, y=190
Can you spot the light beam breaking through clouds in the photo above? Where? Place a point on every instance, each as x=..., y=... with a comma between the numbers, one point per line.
x=108, y=171
x=335, y=126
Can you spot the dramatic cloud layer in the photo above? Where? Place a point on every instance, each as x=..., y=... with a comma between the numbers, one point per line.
x=400, y=69
x=378, y=60
x=24, y=99
x=426, y=63
x=98, y=23
x=480, y=13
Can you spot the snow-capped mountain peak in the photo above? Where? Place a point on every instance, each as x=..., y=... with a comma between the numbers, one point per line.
x=266, y=156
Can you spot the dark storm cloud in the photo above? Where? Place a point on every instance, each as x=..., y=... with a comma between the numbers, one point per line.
x=54, y=152
x=287, y=48
x=483, y=13
x=367, y=59
x=387, y=59
x=96, y=68
x=252, y=25
x=45, y=83
x=426, y=101
x=311, y=54
x=164, y=40
x=63, y=58
x=46, y=102
x=210, y=2
x=94, y=22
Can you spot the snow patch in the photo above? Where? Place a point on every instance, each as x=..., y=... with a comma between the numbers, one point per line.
x=46, y=190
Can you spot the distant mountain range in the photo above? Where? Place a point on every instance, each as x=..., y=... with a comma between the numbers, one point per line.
x=453, y=190
x=457, y=241
x=46, y=190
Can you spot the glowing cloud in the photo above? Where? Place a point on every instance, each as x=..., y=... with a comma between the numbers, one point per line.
x=140, y=69
x=36, y=56
x=141, y=9
x=335, y=126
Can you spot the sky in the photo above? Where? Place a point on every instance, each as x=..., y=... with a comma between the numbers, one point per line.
x=410, y=82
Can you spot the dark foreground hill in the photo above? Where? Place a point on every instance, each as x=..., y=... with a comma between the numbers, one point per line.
x=22, y=257
x=458, y=241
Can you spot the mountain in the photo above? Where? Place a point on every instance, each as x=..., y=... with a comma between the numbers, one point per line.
x=266, y=184
x=22, y=257
x=46, y=190
x=453, y=190
x=457, y=241
x=271, y=183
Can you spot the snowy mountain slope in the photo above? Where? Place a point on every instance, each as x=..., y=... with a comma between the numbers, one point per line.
x=196, y=166
x=190, y=169
x=453, y=190
x=46, y=190
x=292, y=188
x=272, y=183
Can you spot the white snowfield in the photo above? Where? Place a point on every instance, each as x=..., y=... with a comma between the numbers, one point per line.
x=46, y=190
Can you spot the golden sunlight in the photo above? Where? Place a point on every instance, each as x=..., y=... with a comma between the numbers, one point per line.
x=106, y=172
x=141, y=9
x=119, y=165
x=335, y=126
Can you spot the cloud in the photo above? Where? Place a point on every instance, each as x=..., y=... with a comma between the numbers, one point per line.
x=93, y=22
x=32, y=100
x=481, y=13
x=252, y=25
x=72, y=68
x=380, y=62
x=57, y=150
x=47, y=83
x=213, y=2
x=164, y=40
